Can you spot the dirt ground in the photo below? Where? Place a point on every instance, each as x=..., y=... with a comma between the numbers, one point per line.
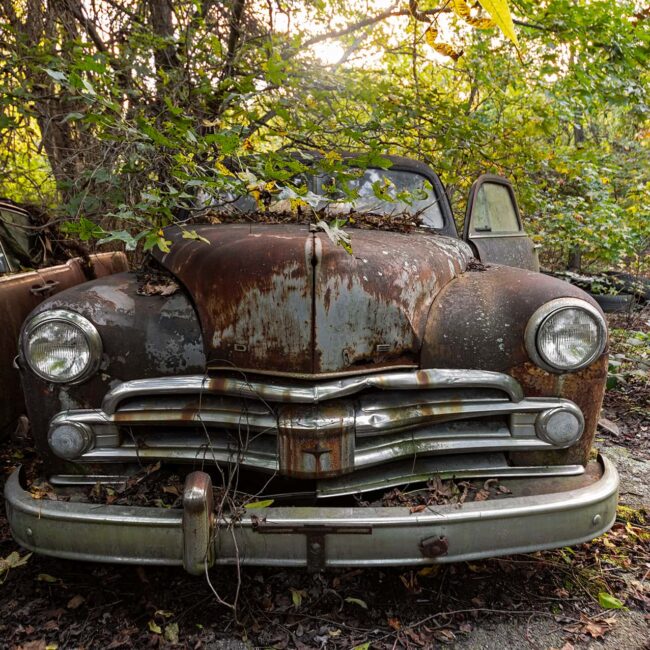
x=545, y=600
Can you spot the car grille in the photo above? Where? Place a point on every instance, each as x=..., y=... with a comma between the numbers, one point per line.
x=314, y=429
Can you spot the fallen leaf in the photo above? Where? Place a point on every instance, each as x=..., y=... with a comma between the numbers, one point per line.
x=154, y=627
x=482, y=495
x=356, y=601
x=395, y=623
x=609, y=426
x=12, y=561
x=428, y=570
x=607, y=601
x=171, y=633
x=445, y=635
x=75, y=602
x=296, y=596
x=46, y=577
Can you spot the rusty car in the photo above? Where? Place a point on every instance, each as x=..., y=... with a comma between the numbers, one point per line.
x=320, y=376
x=25, y=280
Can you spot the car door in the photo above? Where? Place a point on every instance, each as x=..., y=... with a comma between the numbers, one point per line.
x=493, y=225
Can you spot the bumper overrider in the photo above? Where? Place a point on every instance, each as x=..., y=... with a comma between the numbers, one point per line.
x=572, y=510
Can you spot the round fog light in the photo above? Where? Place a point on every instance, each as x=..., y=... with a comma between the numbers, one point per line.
x=69, y=440
x=561, y=426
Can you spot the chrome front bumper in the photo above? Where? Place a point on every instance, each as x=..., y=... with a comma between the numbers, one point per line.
x=315, y=537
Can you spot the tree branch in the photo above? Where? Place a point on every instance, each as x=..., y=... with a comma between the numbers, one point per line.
x=372, y=20
x=236, y=17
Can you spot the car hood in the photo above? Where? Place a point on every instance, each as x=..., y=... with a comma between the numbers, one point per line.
x=284, y=299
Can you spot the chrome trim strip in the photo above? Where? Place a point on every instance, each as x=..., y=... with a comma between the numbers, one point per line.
x=125, y=534
x=261, y=451
x=302, y=393
x=487, y=465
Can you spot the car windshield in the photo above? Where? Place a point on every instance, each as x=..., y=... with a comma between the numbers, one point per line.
x=383, y=192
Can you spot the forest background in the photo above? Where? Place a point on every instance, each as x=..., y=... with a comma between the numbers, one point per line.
x=114, y=113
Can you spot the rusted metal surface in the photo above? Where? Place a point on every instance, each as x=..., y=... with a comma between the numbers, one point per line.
x=370, y=308
x=104, y=264
x=316, y=441
x=141, y=335
x=477, y=322
x=517, y=251
x=19, y=294
x=434, y=546
x=279, y=298
x=480, y=319
x=252, y=286
x=586, y=388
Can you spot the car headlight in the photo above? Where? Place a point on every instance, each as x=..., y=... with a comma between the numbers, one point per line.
x=565, y=334
x=61, y=346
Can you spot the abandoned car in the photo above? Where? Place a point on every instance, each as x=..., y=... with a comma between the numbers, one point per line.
x=323, y=406
x=28, y=275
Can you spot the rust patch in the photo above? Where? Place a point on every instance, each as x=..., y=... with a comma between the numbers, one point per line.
x=586, y=388
x=310, y=450
x=282, y=299
x=19, y=294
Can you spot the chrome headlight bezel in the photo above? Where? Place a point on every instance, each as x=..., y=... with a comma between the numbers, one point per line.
x=88, y=330
x=544, y=313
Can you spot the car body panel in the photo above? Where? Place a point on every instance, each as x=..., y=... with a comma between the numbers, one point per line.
x=278, y=298
x=20, y=293
x=512, y=248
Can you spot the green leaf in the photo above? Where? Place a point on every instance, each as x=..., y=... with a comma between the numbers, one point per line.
x=607, y=601
x=123, y=236
x=192, y=234
x=72, y=117
x=296, y=596
x=363, y=646
x=357, y=601
x=56, y=74
x=155, y=239
x=259, y=504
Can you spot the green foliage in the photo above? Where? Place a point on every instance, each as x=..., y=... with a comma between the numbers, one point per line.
x=119, y=114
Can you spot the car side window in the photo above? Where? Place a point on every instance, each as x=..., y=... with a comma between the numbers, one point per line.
x=494, y=210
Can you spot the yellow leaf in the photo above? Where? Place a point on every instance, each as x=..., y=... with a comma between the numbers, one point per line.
x=297, y=203
x=442, y=48
x=154, y=627
x=222, y=169
x=45, y=577
x=461, y=8
x=428, y=570
x=500, y=13
x=430, y=35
